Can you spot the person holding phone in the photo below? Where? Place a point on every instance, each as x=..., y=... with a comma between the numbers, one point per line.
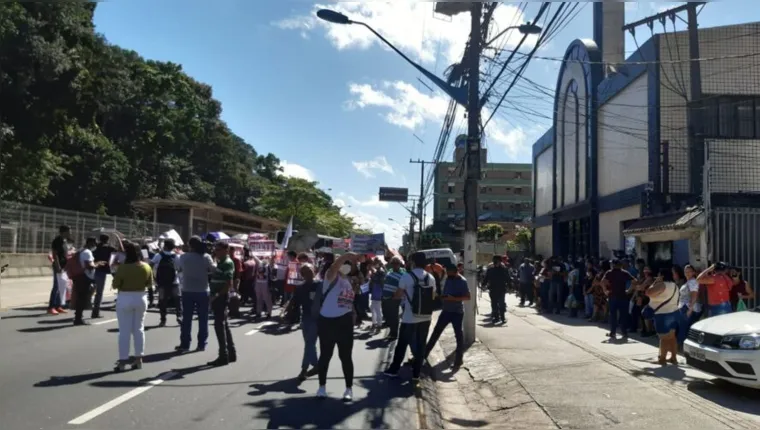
x=455, y=293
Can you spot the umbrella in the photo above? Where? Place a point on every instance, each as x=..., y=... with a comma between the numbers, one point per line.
x=115, y=237
x=216, y=235
x=242, y=237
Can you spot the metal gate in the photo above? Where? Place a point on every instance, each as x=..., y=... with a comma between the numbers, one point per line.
x=735, y=239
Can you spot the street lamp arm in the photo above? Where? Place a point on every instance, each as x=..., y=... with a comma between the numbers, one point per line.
x=458, y=94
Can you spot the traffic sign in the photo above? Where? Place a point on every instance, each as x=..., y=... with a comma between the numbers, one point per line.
x=394, y=194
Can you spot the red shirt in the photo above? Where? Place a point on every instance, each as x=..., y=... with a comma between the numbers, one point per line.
x=238, y=267
x=719, y=291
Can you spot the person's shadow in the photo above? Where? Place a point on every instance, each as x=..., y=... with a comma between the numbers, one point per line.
x=287, y=386
x=59, y=381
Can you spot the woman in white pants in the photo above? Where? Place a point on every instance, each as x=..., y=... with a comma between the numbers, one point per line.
x=132, y=281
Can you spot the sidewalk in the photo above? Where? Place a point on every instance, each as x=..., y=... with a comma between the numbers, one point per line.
x=543, y=372
x=18, y=292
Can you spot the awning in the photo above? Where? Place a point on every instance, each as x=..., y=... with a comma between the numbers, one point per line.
x=684, y=220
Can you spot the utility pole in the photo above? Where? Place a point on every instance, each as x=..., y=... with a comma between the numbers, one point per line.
x=473, y=169
x=421, y=201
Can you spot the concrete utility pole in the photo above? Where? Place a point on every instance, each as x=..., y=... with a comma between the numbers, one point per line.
x=473, y=170
x=421, y=202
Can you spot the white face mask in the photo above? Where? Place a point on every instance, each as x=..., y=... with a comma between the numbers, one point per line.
x=345, y=269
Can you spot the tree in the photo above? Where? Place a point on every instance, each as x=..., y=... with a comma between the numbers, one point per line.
x=490, y=232
x=90, y=126
x=523, y=238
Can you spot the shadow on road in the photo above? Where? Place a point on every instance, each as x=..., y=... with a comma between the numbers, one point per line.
x=287, y=386
x=59, y=381
x=331, y=412
x=44, y=329
x=160, y=356
x=57, y=321
x=728, y=395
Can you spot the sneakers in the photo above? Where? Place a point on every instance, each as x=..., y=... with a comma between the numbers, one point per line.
x=322, y=392
x=348, y=395
x=181, y=349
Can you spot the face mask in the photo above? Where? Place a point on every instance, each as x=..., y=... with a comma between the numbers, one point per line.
x=345, y=269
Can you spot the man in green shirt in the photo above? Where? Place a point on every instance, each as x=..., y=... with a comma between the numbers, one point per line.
x=221, y=282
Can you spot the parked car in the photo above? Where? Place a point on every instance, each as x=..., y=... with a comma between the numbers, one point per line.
x=727, y=347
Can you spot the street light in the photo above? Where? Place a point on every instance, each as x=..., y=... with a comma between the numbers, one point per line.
x=526, y=29
x=459, y=94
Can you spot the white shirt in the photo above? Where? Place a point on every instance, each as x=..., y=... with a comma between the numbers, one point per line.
x=406, y=283
x=669, y=307
x=691, y=286
x=157, y=259
x=339, y=301
x=86, y=256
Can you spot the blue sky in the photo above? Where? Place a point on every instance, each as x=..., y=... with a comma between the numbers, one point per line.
x=331, y=102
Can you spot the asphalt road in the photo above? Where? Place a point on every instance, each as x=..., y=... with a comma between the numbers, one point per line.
x=57, y=376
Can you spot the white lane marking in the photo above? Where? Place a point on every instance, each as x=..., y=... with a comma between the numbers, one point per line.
x=121, y=399
x=104, y=322
x=257, y=329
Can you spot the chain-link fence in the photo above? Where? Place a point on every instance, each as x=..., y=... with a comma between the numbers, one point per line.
x=30, y=229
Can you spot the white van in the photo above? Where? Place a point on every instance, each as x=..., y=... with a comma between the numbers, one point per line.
x=443, y=256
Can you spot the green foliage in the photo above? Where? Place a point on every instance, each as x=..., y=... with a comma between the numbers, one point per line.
x=490, y=232
x=89, y=126
x=522, y=240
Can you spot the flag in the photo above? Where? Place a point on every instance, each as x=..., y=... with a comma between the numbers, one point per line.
x=288, y=234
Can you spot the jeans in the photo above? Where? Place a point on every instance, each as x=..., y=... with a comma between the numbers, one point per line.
x=338, y=332
x=80, y=293
x=198, y=302
x=411, y=334
x=526, y=292
x=719, y=309
x=310, y=334
x=589, y=304
x=130, y=311
x=100, y=284
x=498, y=305
x=222, y=327
x=686, y=323
x=619, y=316
x=263, y=298
x=444, y=319
x=635, y=317
x=377, y=312
x=58, y=292
x=391, y=314
x=556, y=296
x=166, y=296
x=544, y=290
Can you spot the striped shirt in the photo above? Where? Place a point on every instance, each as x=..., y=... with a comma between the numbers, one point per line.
x=391, y=283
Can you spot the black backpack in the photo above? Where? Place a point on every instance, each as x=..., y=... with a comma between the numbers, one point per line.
x=166, y=273
x=423, y=302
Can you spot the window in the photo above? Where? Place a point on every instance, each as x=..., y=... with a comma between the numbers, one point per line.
x=490, y=189
x=451, y=205
x=518, y=190
x=483, y=189
x=508, y=189
x=486, y=206
x=451, y=189
x=731, y=117
x=518, y=175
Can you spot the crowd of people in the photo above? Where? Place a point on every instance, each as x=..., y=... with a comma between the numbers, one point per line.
x=330, y=297
x=631, y=297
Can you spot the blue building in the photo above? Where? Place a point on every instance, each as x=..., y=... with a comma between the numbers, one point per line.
x=618, y=170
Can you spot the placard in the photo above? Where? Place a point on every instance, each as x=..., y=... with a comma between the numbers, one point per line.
x=262, y=248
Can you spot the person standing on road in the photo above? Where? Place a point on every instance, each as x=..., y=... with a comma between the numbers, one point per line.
x=663, y=295
x=164, y=265
x=688, y=302
x=417, y=290
x=59, y=253
x=195, y=267
x=334, y=303
x=304, y=298
x=455, y=293
x=614, y=283
x=102, y=255
x=719, y=285
x=376, y=284
x=132, y=281
x=82, y=282
x=391, y=304
x=525, y=272
x=497, y=279
x=221, y=283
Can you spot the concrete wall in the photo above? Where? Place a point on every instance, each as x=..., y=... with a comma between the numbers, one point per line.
x=623, y=139
x=26, y=265
x=720, y=76
x=610, y=228
x=543, y=239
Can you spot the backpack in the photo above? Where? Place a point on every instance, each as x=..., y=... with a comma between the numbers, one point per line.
x=423, y=301
x=166, y=273
x=73, y=267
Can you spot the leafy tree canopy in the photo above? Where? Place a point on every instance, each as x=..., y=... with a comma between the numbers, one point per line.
x=490, y=232
x=86, y=125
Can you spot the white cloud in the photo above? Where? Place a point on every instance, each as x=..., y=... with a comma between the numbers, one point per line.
x=339, y=203
x=368, y=168
x=296, y=171
x=372, y=202
x=407, y=24
x=407, y=107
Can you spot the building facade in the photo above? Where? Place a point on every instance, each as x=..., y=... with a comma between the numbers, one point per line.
x=505, y=196
x=620, y=169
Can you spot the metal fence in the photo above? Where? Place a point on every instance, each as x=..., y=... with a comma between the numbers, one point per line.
x=734, y=240
x=31, y=229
